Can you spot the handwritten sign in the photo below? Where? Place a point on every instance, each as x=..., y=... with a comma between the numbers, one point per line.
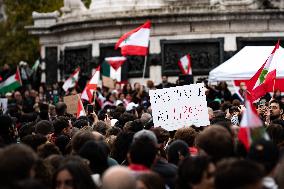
x=72, y=103
x=181, y=106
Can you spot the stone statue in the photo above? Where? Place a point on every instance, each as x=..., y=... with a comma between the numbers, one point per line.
x=231, y=4
x=73, y=5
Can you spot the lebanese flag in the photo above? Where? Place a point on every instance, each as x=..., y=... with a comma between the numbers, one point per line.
x=91, y=86
x=80, y=108
x=115, y=62
x=264, y=79
x=249, y=121
x=185, y=65
x=72, y=80
x=135, y=42
x=11, y=83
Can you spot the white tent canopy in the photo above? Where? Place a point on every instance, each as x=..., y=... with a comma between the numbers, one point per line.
x=246, y=62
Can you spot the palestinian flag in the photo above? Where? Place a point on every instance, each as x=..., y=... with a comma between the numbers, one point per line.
x=72, y=80
x=135, y=42
x=11, y=83
x=264, y=79
x=251, y=127
x=114, y=69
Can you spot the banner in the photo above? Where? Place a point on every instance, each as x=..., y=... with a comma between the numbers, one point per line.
x=177, y=107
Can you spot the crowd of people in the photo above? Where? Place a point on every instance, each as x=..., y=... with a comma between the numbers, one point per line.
x=116, y=146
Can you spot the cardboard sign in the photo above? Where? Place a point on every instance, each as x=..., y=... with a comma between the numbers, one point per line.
x=108, y=82
x=177, y=107
x=72, y=103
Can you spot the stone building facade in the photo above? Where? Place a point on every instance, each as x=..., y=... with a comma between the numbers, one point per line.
x=210, y=30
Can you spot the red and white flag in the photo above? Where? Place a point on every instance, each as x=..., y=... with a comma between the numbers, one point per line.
x=264, y=79
x=115, y=62
x=80, y=108
x=250, y=120
x=72, y=80
x=185, y=65
x=91, y=86
x=135, y=42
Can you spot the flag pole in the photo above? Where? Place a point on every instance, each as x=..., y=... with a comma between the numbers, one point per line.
x=144, y=70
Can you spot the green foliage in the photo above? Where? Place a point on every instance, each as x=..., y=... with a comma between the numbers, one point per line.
x=87, y=3
x=15, y=42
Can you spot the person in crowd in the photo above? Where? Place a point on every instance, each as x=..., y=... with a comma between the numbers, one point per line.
x=216, y=141
x=177, y=151
x=236, y=174
x=118, y=177
x=143, y=151
x=276, y=110
x=73, y=174
x=223, y=91
x=266, y=154
x=188, y=135
x=161, y=166
x=17, y=163
x=196, y=173
x=240, y=94
x=165, y=83
x=149, y=180
x=277, y=95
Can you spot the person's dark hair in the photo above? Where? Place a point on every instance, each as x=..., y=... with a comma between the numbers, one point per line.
x=43, y=172
x=162, y=134
x=216, y=141
x=80, y=123
x=121, y=146
x=113, y=131
x=34, y=141
x=59, y=124
x=225, y=106
x=276, y=133
x=79, y=139
x=177, y=149
x=151, y=180
x=44, y=127
x=54, y=162
x=125, y=117
x=236, y=174
x=81, y=176
x=135, y=126
x=7, y=130
x=45, y=150
x=26, y=129
x=265, y=153
x=16, y=163
x=60, y=108
x=281, y=105
x=101, y=127
x=119, y=110
x=191, y=171
x=96, y=154
x=143, y=151
x=62, y=143
x=186, y=134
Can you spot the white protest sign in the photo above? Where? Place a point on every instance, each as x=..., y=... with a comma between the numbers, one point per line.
x=3, y=104
x=177, y=107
